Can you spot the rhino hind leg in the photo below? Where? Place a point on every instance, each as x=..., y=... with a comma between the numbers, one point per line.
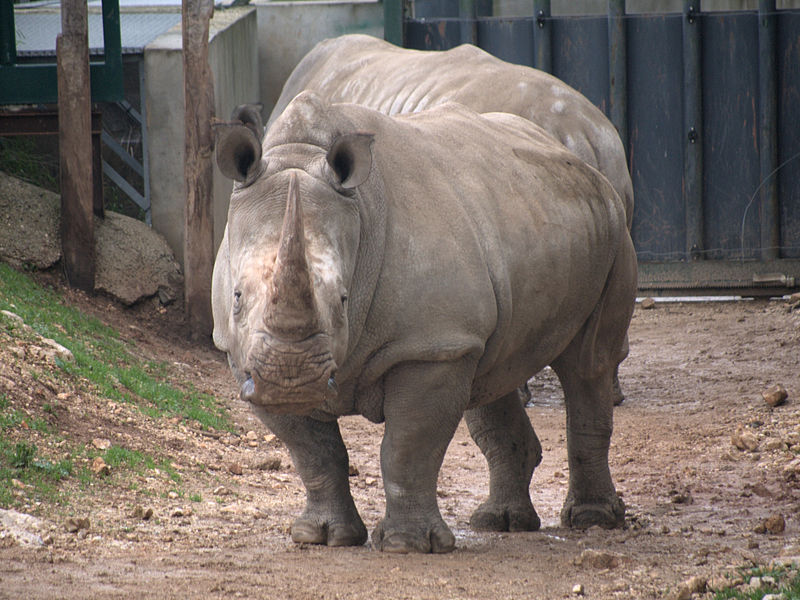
x=592, y=498
x=320, y=457
x=587, y=370
x=504, y=434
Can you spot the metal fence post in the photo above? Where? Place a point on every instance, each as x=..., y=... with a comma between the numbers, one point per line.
x=542, y=36
x=768, y=127
x=617, y=65
x=8, y=36
x=393, y=22
x=468, y=24
x=693, y=128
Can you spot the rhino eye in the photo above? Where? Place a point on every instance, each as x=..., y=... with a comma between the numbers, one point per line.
x=237, y=301
x=344, y=299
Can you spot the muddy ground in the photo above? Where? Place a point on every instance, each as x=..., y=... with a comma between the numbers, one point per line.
x=695, y=501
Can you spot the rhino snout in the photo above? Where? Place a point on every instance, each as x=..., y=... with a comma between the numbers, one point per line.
x=289, y=377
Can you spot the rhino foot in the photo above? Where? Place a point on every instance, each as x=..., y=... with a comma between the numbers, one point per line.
x=315, y=529
x=491, y=516
x=607, y=515
x=424, y=538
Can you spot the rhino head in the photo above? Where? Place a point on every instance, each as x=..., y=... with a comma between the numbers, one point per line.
x=283, y=273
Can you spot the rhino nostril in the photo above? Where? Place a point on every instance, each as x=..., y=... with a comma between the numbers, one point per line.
x=248, y=389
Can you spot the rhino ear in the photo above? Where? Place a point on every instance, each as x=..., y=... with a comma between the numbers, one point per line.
x=250, y=116
x=238, y=150
x=350, y=157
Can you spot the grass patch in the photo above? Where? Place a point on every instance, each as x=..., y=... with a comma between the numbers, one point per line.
x=778, y=580
x=23, y=469
x=102, y=357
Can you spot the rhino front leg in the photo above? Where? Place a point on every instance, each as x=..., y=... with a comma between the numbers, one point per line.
x=321, y=460
x=504, y=434
x=423, y=406
x=591, y=499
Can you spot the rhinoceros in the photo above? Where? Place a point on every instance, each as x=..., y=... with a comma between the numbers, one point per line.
x=415, y=270
x=365, y=70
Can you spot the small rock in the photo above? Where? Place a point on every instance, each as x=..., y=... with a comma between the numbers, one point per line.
x=598, y=559
x=176, y=512
x=745, y=440
x=55, y=350
x=252, y=436
x=648, y=303
x=754, y=583
x=269, y=438
x=697, y=585
x=235, y=468
x=577, y=589
x=221, y=491
x=775, y=524
x=267, y=462
x=353, y=470
x=145, y=514
x=680, y=593
x=370, y=481
x=775, y=396
x=100, y=468
x=101, y=443
x=173, y=495
x=774, y=597
x=76, y=524
x=775, y=444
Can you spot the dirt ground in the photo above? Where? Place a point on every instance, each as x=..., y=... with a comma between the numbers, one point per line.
x=695, y=501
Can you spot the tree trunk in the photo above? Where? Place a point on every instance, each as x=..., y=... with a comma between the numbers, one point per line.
x=75, y=145
x=198, y=86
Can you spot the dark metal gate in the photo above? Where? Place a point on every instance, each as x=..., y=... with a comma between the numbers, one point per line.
x=708, y=106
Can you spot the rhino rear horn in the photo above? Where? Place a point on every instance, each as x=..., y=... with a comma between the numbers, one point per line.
x=350, y=158
x=292, y=310
x=238, y=150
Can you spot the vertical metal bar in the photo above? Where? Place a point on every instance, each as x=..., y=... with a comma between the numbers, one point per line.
x=617, y=68
x=768, y=127
x=112, y=38
x=8, y=35
x=148, y=214
x=693, y=129
x=468, y=25
x=393, y=17
x=542, y=36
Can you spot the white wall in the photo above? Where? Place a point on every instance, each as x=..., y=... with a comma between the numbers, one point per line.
x=233, y=56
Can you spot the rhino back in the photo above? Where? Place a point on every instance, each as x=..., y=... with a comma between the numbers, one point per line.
x=371, y=72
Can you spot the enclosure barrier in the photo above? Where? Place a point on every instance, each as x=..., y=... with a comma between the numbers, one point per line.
x=706, y=105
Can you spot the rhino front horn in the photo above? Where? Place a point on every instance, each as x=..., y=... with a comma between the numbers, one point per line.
x=291, y=311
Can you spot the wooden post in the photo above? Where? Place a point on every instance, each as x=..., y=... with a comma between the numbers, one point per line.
x=75, y=145
x=198, y=87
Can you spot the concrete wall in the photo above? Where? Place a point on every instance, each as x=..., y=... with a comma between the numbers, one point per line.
x=233, y=56
x=288, y=30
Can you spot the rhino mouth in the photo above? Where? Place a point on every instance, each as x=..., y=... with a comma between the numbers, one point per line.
x=289, y=377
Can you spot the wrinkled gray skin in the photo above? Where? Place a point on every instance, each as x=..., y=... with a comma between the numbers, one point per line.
x=365, y=70
x=427, y=264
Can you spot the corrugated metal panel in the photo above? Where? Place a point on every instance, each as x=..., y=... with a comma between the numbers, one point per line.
x=730, y=118
x=789, y=132
x=655, y=117
x=37, y=31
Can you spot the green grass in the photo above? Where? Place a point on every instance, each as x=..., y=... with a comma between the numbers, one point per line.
x=787, y=582
x=104, y=365
x=102, y=357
